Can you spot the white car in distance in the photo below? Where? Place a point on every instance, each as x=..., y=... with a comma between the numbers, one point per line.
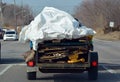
x=10, y=35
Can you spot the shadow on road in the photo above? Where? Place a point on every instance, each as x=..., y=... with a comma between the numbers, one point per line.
x=11, y=60
x=103, y=75
x=19, y=72
x=72, y=77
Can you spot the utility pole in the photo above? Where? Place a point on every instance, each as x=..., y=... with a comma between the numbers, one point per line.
x=15, y=17
x=22, y=13
x=1, y=14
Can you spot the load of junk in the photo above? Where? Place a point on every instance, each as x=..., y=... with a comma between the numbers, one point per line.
x=51, y=24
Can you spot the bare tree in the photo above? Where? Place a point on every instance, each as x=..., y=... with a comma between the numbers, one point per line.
x=23, y=15
x=98, y=13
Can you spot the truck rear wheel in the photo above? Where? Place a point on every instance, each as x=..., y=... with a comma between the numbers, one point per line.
x=93, y=70
x=31, y=75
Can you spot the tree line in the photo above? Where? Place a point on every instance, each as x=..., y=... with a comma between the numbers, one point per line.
x=99, y=13
x=15, y=15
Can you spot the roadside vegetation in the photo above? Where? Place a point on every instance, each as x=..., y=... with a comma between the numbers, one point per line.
x=98, y=14
x=14, y=15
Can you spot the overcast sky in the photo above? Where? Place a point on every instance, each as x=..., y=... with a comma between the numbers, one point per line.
x=38, y=5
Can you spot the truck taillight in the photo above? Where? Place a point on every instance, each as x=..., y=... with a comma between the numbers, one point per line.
x=31, y=63
x=94, y=63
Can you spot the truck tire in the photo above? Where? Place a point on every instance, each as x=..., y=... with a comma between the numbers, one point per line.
x=31, y=75
x=93, y=70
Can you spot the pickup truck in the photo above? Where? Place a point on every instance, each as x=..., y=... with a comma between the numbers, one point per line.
x=64, y=56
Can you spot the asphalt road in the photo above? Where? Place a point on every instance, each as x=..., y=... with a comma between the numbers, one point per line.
x=13, y=68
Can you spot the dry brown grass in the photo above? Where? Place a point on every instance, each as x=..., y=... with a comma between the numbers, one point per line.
x=109, y=36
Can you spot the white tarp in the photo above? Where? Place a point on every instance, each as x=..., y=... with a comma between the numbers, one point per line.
x=52, y=23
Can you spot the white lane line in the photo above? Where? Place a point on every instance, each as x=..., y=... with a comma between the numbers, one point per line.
x=22, y=64
x=3, y=71
x=9, y=66
x=109, y=70
x=102, y=40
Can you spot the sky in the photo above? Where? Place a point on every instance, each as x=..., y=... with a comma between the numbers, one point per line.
x=37, y=5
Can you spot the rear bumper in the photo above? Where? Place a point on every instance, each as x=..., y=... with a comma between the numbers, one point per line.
x=64, y=66
x=10, y=38
x=62, y=70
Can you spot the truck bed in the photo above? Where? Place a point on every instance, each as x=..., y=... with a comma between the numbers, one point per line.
x=64, y=56
x=65, y=51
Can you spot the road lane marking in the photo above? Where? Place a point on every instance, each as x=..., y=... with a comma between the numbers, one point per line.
x=3, y=71
x=102, y=40
x=109, y=64
x=22, y=64
x=9, y=66
x=109, y=70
